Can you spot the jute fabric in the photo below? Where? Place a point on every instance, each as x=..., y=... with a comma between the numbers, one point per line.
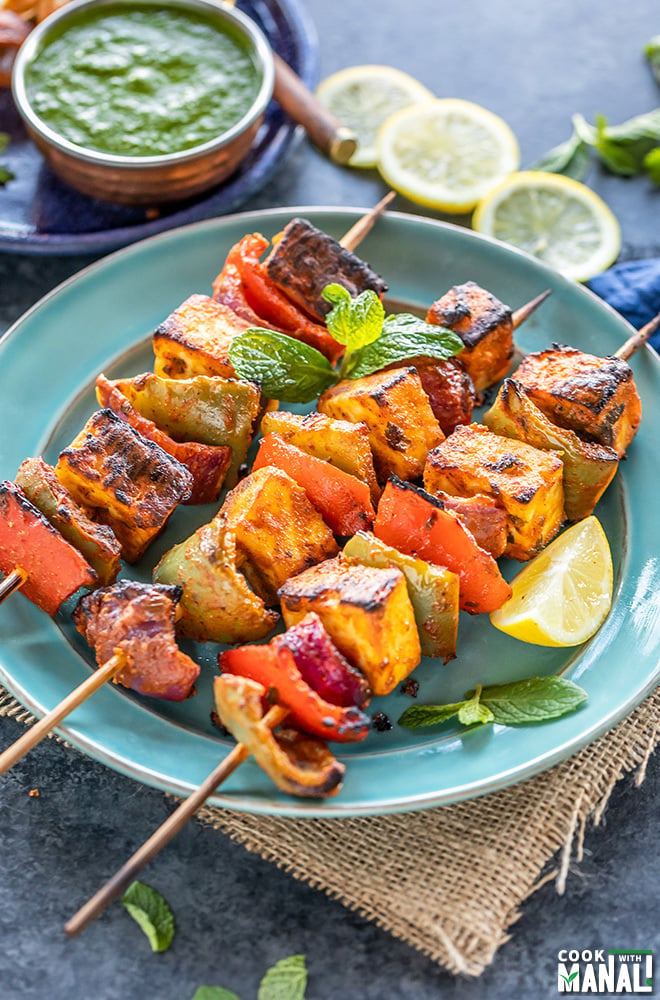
x=450, y=881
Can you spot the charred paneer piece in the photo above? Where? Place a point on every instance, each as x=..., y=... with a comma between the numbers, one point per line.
x=278, y=532
x=128, y=482
x=195, y=339
x=138, y=619
x=367, y=613
x=485, y=326
x=595, y=397
x=97, y=542
x=342, y=444
x=526, y=481
x=395, y=408
x=306, y=259
x=53, y=568
x=588, y=467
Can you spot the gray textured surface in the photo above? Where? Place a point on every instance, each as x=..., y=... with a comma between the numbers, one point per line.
x=535, y=65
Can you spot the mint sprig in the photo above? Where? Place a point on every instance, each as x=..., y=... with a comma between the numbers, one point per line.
x=152, y=913
x=652, y=53
x=294, y=372
x=536, y=699
x=286, y=980
x=214, y=993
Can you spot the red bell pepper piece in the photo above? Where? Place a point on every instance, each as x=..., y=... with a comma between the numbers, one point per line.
x=415, y=522
x=55, y=570
x=274, y=668
x=322, y=665
x=343, y=501
x=272, y=305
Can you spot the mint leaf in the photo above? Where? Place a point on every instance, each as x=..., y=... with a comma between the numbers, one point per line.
x=214, y=993
x=584, y=131
x=285, y=981
x=353, y=322
x=284, y=367
x=151, y=912
x=570, y=158
x=532, y=700
x=651, y=164
x=4, y=141
x=429, y=715
x=403, y=337
x=645, y=126
x=5, y=173
x=472, y=713
x=652, y=53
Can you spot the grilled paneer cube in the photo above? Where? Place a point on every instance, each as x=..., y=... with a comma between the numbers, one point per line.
x=97, y=542
x=595, y=397
x=588, y=467
x=306, y=259
x=527, y=483
x=278, y=532
x=342, y=444
x=367, y=613
x=130, y=483
x=195, y=339
x=485, y=326
x=398, y=415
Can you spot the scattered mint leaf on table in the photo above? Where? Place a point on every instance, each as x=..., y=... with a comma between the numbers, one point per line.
x=214, y=993
x=570, y=158
x=152, y=913
x=286, y=980
x=535, y=699
x=652, y=53
x=652, y=164
x=5, y=173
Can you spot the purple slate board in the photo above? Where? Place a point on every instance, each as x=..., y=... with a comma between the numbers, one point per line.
x=39, y=214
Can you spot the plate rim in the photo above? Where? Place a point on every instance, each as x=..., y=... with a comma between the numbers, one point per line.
x=330, y=808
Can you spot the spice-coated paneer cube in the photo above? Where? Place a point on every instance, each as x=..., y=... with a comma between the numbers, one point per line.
x=96, y=542
x=485, y=326
x=195, y=339
x=588, y=467
x=367, y=613
x=278, y=532
x=342, y=444
x=527, y=483
x=129, y=482
x=595, y=397
x=398, y=415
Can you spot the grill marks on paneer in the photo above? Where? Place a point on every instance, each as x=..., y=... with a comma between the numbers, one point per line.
x=526, y=482
x=305, y=259
x=130, y=483
x=195, y=339
x=595, y=397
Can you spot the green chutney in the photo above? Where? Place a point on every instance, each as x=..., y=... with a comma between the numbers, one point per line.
x=143, y=80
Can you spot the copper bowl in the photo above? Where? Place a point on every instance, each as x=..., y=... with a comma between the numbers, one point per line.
x=146, y=180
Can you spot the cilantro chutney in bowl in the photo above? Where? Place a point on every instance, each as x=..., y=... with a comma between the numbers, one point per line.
x=144, y=101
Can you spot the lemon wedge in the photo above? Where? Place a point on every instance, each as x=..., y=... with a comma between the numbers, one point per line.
x=363, y=97
x=560, y=221
x=563, y=596
x=446, y=154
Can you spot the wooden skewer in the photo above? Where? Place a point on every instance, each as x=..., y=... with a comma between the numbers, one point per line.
x=13, y=581
x=520, y=315
x=351, y=239
x=638, y=339
x=40, y=729
x=162, y=836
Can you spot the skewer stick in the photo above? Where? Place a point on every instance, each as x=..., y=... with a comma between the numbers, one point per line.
x=351, y=239
x=638, y=339
x=41, y=729
x=520, y=315
x=13, y=581
x=162, y=836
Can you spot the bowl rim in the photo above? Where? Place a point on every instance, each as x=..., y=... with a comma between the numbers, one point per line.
x=260, y=51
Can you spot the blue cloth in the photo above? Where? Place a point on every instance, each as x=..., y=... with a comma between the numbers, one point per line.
x=633, y=289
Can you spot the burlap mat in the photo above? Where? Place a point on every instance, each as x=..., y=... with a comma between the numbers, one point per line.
x=450, y=881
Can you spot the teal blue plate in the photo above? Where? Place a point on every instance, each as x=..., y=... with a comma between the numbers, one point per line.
x=101, y=320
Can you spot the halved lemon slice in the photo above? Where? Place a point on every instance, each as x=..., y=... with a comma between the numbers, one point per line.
x=560, y=221
x=363, y=97
x=446, y=154
x=563, y=596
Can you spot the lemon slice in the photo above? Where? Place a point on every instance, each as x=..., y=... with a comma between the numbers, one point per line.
x=563, y=596
x=560, y=221
x=446, y=154
x=363, y=97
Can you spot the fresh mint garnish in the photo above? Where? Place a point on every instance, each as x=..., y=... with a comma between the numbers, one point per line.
x=214, y=993
x=403, y=337
x=570, y=158
x=353, y=322
x=652, y=164
x=535, y=699
x=284, y=367
x=152, y=913
x=652, y=53
x=286, y=980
